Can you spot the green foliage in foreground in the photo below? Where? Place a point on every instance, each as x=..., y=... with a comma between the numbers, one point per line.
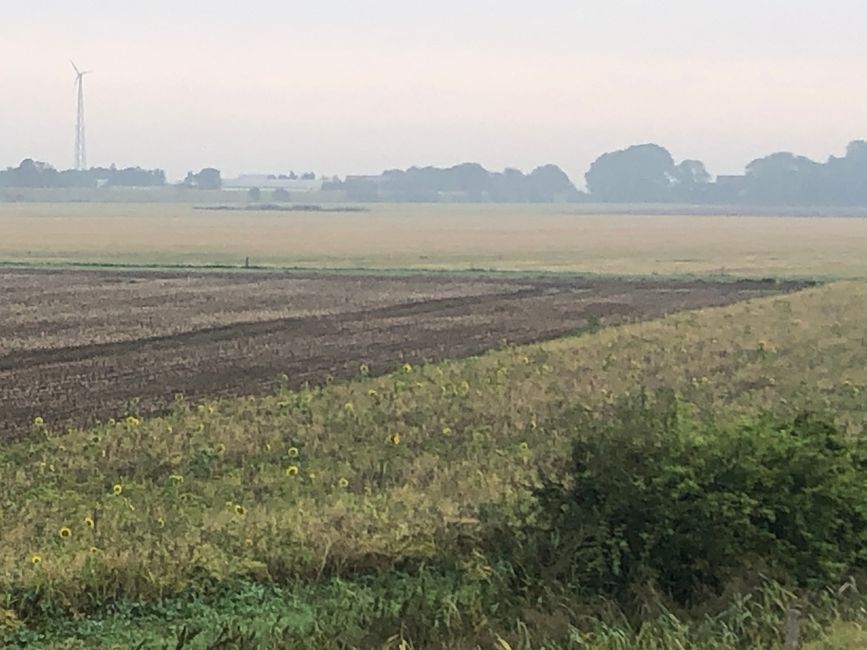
x=634, y=544
x=651, y=493
x=436, y=608
x=381, y=508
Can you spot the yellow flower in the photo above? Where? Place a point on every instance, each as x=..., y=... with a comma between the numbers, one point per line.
x=38, y=421
x=94, y=550
x=524, y=447
x=176, y=478
x=312, y=476
x=349, y=407
x=407, y=368
x=64, y=533
x=133, y=421
x=248, y=542
x=221, y=449
x=36, y=559
x=395, y=439
x=161, y=522
x=371, y=393
x=240, y=511
x=112, y=421
x=88, y=522
x=200, y=408
x=293, y=452
x=364, y=369
x=292, y=470
x=447, y=431
x=117, y=488
x=344, y=483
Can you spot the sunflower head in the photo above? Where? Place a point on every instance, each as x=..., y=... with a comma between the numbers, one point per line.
x=293, y=452
x=240, y=510
x=64, y=532
x=344, y=483
x=407, y=368
x=36, y=559
x=292, y=470
x=88, y=521
x=117, y=489
x=395, y=439
x=38, y=421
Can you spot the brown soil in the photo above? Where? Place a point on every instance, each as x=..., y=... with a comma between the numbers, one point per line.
x=79, y=346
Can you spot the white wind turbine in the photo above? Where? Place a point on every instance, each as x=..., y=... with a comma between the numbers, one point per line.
x=80, y=142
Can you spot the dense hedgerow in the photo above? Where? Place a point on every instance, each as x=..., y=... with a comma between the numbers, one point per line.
x=654, y=493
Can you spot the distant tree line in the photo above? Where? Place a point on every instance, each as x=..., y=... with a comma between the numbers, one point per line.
x=646, y=173
x=31, y=173
x=466, y=182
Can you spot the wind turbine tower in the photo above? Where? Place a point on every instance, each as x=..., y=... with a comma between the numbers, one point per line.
x=80, y=141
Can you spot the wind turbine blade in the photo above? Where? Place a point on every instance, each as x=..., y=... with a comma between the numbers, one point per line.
x=75, y=67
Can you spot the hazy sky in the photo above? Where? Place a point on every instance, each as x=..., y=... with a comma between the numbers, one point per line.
x=358, y=86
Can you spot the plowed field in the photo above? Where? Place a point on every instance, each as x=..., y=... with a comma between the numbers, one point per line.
x=77, y=347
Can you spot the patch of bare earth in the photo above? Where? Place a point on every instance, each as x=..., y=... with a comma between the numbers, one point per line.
x=77, y=347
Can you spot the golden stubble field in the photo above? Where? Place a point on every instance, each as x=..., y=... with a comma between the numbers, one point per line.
x=454, y=237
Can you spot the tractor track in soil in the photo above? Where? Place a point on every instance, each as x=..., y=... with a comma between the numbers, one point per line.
x=382, y=324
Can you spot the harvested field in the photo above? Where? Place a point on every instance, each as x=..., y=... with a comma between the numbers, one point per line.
x=80, y=346
x=448, y=237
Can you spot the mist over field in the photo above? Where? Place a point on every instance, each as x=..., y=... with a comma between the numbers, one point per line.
x=359, y=88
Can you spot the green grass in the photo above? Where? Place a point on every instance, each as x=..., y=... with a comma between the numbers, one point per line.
x=393, y=476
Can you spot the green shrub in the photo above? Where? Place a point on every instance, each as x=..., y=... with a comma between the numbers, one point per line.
x=655, y=494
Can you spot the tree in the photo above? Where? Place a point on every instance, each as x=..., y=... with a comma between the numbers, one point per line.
x=691, y=179
x=642, y=173
x=549, y=183
x=784, y=179
x=281, y=195
x=32, y=173
x=254, y=194
x=207, y=179
x=846, y=178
